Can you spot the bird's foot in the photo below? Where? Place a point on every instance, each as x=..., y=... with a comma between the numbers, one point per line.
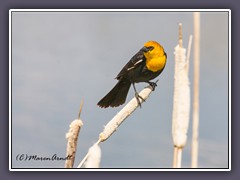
x=139, y=97
x=153, y=85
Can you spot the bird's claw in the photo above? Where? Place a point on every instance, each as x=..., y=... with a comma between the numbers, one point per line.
x=153, y=85
x=139, y=97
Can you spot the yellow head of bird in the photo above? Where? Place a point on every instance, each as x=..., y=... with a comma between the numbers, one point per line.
x=154, y=49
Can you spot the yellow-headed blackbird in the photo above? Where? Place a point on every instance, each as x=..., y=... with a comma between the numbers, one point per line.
x=146, y=65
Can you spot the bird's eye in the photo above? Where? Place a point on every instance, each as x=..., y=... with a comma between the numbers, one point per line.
x=150, y=48
x=146, y=49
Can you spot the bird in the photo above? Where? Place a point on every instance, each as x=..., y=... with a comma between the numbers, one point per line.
x=145, y=65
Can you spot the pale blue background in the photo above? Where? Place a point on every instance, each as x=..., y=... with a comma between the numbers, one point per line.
x=59, y=58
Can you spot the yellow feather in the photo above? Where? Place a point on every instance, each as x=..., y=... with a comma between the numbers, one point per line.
x=156, y=58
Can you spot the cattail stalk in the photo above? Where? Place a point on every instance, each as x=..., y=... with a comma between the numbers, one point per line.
x=196, y=21
x=94, y=157
x=119, y=118
x=72, y=137
x=84, y=160
x=181, y=101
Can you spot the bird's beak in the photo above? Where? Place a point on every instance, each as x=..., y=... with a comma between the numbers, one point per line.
x=145, y=49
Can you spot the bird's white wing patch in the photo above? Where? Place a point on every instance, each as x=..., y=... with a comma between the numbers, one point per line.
x=135, y=64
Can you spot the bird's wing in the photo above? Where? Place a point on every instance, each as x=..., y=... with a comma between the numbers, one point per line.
x=137, y=60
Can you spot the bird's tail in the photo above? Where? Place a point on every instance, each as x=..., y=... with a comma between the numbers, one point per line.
x=117, y=96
